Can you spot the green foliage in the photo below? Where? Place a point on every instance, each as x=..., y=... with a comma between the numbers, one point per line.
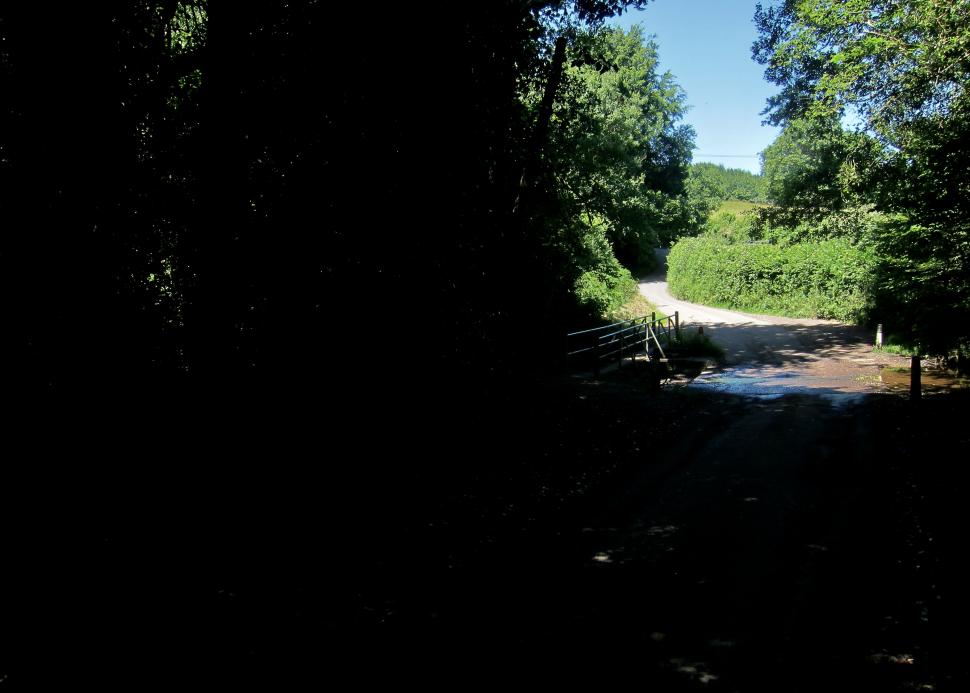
x=735, y=221
x=731, y=183
x=857, y=224
x=604, y=293
x=739, y=207
x=184, y=205
x=710, y=188
x=901, y=70
x=604, y=285
x=825, y=279
x=894, y=344
x=730, y=227
x=617, y=150
x=811, y=168
x=187, y=25
x=923, y=287
x=894, y=63
x=636, y=306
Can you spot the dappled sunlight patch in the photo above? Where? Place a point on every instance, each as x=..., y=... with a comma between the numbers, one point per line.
x=661, y=530
x=694, y=671
x=884, y=658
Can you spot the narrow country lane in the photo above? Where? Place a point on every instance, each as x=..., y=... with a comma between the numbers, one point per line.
x=760, y=547
x=654, y=288
x=758, y=530
x=753, y=541
x=773, y=355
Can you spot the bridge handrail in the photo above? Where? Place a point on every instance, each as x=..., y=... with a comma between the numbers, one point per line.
x=627, y=338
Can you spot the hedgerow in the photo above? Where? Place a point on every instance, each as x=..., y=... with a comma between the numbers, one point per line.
x=820, y=279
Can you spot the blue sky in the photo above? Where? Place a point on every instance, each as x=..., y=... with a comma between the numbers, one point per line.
x=706, y=44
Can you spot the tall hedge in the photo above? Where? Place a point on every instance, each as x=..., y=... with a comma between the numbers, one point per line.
x=824, y=279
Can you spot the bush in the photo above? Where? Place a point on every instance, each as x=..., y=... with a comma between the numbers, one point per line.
x=604, y=293
x=824, y=279
x=604, y=285
x=733, y=228
x=786, y=226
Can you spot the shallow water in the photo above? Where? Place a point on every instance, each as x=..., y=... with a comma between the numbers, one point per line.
x=759, y=382
x=931, y=381
x=768, y=383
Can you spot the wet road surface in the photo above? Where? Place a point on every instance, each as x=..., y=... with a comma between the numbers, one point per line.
x=766, y=355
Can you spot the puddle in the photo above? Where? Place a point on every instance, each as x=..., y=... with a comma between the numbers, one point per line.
x=931, y=381
x=756, y=382
x=839, y=387
x=767, y=384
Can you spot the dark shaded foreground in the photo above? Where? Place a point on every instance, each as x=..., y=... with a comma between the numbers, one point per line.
x=700, y=542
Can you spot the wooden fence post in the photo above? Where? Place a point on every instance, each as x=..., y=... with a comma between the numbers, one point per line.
x=677, y=324
x=596, y=358
x=915, y=384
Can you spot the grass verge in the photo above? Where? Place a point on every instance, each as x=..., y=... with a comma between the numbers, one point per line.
x=636, y=307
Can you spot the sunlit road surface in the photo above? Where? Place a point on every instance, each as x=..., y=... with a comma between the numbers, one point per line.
x=768, y=355
x=654, y=288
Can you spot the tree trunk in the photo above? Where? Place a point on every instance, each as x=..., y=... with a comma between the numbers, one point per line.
x=542, y=123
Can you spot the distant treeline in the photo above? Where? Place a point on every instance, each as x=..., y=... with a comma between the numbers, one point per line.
x=731, y=183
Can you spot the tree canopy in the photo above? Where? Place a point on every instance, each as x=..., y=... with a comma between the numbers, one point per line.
x=900, y=70
x=895, y=64
x=617, y=151
x=202, y=197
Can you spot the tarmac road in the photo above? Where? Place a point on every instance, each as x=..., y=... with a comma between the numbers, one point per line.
x=769, y=354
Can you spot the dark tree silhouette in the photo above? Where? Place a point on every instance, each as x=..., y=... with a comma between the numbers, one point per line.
x=234, y=234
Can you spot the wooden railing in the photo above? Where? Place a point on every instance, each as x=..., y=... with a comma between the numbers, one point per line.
x=598, y=347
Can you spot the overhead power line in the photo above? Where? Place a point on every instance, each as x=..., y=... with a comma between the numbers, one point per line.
x=730, y=156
